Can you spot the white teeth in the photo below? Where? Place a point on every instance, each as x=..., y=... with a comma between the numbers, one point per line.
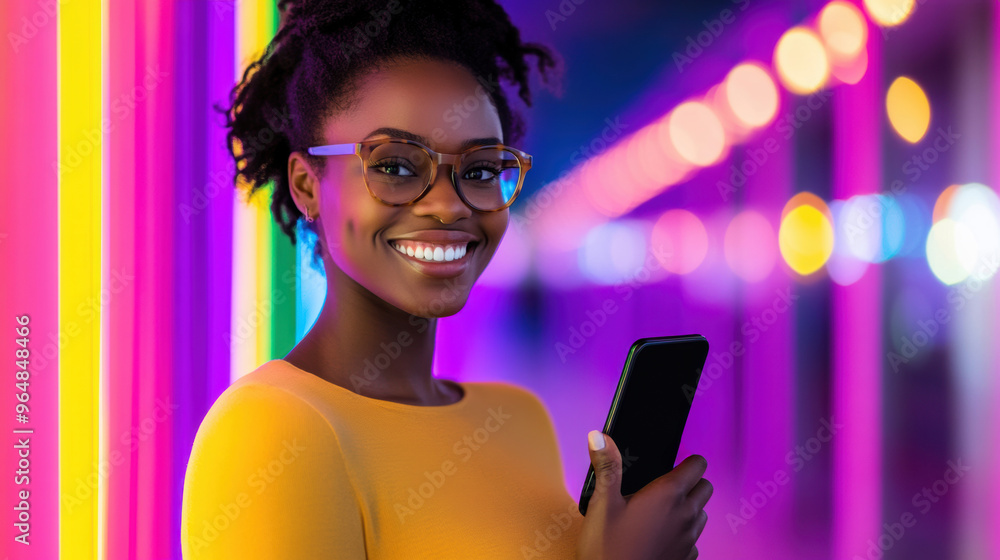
x=434, y=254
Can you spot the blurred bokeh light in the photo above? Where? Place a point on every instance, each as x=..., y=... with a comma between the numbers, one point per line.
x=751, y=94
x=889, y=13
x=680, y=240
x=908, y=108
x=805, y=237
x=801, y=61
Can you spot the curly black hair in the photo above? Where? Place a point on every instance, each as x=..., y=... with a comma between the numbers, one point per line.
x=307, y=72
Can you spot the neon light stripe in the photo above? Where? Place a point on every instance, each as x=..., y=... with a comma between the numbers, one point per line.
x=252, y=225
x=153, y=371
x=994, y=495
x=80, y=149
x=29, y=251
x=857, y=326
x=120, y=223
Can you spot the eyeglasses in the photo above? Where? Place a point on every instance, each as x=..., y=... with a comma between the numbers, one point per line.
x=399, y=172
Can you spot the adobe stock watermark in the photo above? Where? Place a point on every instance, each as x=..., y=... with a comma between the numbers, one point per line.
x=922, y=502
x=915, y=167
x=121, y=107
x=553, y=531
x=464, y=449
x=696, y=44
x=223, y=8
x=597, y=318
x=754, y=329
x=581, y=158
x=229, y=512
x=31, y=25
x=393, y=349
x=460, y=111
x=900, y=10
x=130, y=439
x=563, y=11
x=87, y=312
x=795, y=461
x=221, y=180
x=929, y=327
x=757, y=158
x=866, y=214
x=373, y=367
x=254, y=319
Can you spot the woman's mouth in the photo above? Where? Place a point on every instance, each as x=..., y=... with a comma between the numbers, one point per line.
x=432, y=252
x=438, y=260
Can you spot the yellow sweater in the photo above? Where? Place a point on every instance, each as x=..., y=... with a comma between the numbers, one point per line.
x=288, y=465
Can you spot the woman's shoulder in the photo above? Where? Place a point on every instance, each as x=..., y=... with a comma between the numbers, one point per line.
x=264, y=467
x=261, y=404
x=271, y=384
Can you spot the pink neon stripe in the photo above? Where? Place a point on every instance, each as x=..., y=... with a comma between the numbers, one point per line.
x=994, y=95
x=154, y=238
x=143, y=290
x=857, y=341
x=121, y=220
x=29, y=252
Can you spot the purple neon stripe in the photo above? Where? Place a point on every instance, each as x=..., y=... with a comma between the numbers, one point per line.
x=189, y=351
x=219, y=240
x=768, y=421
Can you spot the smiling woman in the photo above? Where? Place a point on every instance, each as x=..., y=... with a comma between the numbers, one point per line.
x=398, y=153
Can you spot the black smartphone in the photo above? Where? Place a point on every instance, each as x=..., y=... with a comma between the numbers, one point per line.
x=650, y=408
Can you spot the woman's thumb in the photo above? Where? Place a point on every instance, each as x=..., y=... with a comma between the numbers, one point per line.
x=607, y=462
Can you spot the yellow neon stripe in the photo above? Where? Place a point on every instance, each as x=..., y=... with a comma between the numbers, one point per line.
x=252, y=225
x=265, y=224
x=104, y=397
x=265, y=258
x=80, y=149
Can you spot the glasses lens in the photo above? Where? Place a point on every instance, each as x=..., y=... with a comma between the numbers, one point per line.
x=397, y=172
x=489, y=177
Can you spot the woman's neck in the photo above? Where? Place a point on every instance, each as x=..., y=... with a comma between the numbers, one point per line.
x=364, y=344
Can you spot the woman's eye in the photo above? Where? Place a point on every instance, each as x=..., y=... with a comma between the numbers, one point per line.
x=482, y=174
x=393, y=168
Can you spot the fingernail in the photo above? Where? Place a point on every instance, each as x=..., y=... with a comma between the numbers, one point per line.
x=596, y=440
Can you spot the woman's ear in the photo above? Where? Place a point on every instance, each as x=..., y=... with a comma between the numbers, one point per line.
x=303, y=184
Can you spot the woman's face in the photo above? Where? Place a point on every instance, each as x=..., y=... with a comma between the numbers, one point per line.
x=444, y=105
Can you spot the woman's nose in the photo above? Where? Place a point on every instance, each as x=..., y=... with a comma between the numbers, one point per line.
x=442, y=199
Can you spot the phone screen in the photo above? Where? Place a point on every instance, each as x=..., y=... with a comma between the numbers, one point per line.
x=650, y=408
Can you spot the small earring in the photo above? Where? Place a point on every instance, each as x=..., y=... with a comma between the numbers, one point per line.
x=308, y=217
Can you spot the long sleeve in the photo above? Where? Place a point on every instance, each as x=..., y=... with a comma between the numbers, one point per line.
x=267, y=479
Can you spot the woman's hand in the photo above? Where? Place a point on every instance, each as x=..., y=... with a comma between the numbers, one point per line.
x=662, y=521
